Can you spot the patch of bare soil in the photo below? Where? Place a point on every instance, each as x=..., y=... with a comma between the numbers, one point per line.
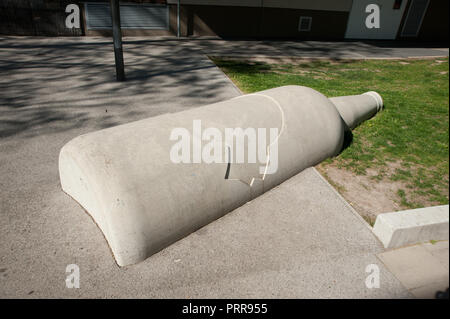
x=371, y=196
x=367, y=196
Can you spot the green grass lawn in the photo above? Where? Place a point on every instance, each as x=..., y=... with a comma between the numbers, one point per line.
x=407, y=141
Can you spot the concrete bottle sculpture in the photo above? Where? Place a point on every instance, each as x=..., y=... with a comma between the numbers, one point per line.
x=142, y=201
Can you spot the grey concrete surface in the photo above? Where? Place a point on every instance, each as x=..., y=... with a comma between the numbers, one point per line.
x=144, y=201
x=423, y=268
x=287, y=243
x=321, y=49
x=356, y=109
x=299, y=240
x=52, y=90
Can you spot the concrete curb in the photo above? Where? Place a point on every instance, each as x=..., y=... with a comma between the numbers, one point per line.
x=226, y=76
x=412, y=226
x=290, y=58
x=350, y=208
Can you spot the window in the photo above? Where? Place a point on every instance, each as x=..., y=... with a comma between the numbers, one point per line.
x=304, y=24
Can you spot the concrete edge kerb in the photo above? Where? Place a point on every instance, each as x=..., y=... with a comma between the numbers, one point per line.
x=352, y=210
x=226, y=76
x=402, y=228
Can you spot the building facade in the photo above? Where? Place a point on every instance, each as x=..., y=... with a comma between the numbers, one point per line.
x=417, y=20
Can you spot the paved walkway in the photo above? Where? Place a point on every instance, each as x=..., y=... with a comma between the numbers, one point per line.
x=298, y=240
x=422, y=269
x=318, y=49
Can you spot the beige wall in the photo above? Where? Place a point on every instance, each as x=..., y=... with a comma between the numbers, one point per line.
x=389, y=20
x=326, y=5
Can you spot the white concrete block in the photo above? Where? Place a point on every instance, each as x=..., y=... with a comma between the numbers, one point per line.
x=412, y=226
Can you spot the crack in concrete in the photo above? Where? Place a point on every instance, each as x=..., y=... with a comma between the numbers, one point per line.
x=283, y=124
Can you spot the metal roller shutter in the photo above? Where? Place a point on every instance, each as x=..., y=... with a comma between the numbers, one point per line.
x=132, y=16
